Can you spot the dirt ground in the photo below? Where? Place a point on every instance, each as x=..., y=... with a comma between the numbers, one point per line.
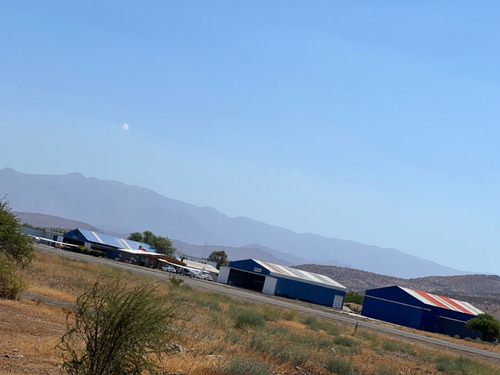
x=29, y=333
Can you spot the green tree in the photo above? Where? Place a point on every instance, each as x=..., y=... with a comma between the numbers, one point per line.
x=14, y=245
x=487, y=325
x=136, y=236
x=117, y=328
x=354, y=297
x=16, y=250
x=161, y=244
x=148, y=236
x=220, y=257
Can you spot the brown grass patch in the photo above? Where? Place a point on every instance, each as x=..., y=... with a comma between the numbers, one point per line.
x=292, y=324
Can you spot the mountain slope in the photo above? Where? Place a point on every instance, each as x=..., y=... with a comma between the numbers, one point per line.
x=114, y=206
x=51, y=222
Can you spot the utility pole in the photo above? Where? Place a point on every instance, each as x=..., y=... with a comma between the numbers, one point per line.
x=204, y=247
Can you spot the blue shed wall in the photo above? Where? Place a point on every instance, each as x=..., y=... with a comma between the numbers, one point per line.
x=450, y=322
x=428, y=322
x=453, y=327
x=389, y=311
x=306, y=292
x=451, y=314
x=394, y=293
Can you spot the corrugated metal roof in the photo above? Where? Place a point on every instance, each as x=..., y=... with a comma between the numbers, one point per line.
x=139, y=252
x=299, y=274
x=200, y=266
x=106, y=239
x=443, y=302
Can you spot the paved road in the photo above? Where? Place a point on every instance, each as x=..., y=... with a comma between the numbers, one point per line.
x=277, y=301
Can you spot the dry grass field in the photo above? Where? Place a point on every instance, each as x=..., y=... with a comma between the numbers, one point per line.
x=217, y=334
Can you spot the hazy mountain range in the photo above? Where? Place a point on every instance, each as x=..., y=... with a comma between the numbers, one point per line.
x=114, y=207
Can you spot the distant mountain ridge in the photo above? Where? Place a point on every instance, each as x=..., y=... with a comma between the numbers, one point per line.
x=120, y=208
x=51, y=222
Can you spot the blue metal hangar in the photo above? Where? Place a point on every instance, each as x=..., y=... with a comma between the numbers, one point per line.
x=420, y=310
x=103, y=242
x=283, y=281
x=126, y=251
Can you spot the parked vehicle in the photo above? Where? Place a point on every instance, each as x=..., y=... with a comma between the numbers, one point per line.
x=205, y=276
x=168, y=269
x=191, y=273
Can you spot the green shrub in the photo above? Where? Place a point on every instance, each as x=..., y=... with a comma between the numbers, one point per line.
x=247, y=318
x=293, y=355
x=345, y=341
x=209, y=304
x=282, y=345
x=320, y=325
x=290, y=315
x=15, y=246
x=338, y=366
x=354, y=297
x=175, y=280
x=10, y=284
x=16, y=250
x=397, y=347
x=487, y=325
x=462, y=365
x=276, y=345
x=186, y=288
x=312, y=323
x=118, y=329
x=220, y=320
x=97, y=253
x=241, y=366
x=346, y=345
x=304, y=341
x=447, y=364
x=324, y=343
x=261, y=342
x=271, y=314
x=385, y=371
x=368, y=336
x=281, y=333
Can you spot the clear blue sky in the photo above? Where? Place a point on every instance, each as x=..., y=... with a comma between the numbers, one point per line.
x=371, y=121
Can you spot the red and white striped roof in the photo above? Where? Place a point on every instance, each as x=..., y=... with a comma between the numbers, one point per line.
x=315, y=278
x=444, y=302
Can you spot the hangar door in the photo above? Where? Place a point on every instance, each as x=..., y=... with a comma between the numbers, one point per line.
x=246, y=280
x=269, y=285
x=338, y=301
